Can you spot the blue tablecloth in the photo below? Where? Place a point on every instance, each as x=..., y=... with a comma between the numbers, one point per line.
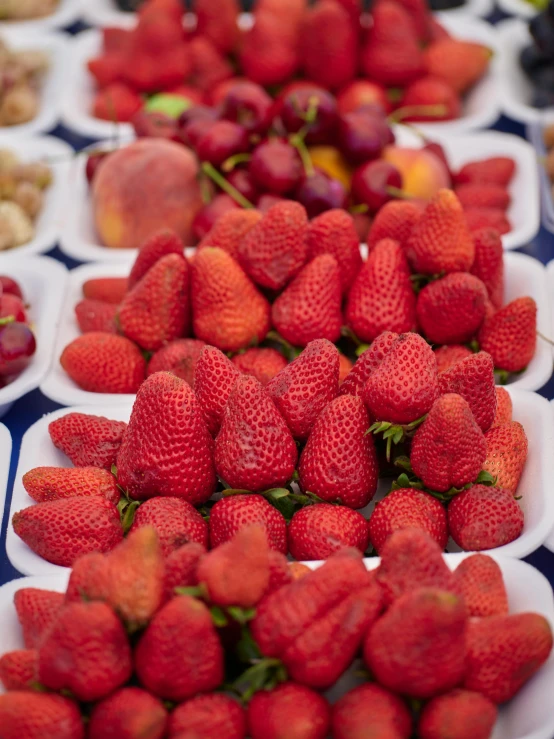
x=34, y=405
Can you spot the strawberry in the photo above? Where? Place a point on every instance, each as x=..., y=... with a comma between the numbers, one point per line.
x=333, y=232
x=156, y=31
x=152, y=250
x=18, y=669
x=504, y=652
x=406, y=508
x=36, y=611
x=208, y=715
x=430, y=99
x=345, y=366
x=62, y=530
x=179, y=654
x=129, y=713
x=116, y=103
x=107, y=68
x=366, y=363
x=167, y=448
x=329, y=45
x=101, y=363
x=421, y=17
x=217, y=21
x=230, y=229
x=459, y=713
x=209, y=66
x=268, y=54
x=106, y=289
x=290, y=708
x=503, y=407
x=114, y=39
x=483, y=195
x=488, y=265
x=484, y=518
x=437, y=31
x=448, y=356
x=473, y=379
x=310, y=307
x=279, y=572
x=263, y=364
x=53, y=483
x=316, y=624
x=395, y=220
x=227, y=309
x=339, y=463
x=495, y=170
x=176, y=522
x=89, y=579
x=418, y=647
x=230, y=514
x=25, y=715
x=178, y=357
x=254, y=449
x=451, y=310
x=382, y=298
x=404, y=386
x=214, y=378
x=459, y=63
x=479, y=218
x=95, y=315
x=304, y=387
x=88, y=441
x=275, y=249
x=479, y=579
x=180, y=567
x=371, y=708
x=507, y=448
x=510, y=335
x=318, y=531
x=440, y=240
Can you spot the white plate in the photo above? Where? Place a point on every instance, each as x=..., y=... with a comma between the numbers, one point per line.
x=479, y=8
x=43, y=281
x=530, y=409
x=535, y=135
x=519, y=8
x=5, y=459
x=67, y=12
x=549, y=543
x=54, y=81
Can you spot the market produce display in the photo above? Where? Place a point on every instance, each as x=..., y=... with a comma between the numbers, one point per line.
x=537, y=59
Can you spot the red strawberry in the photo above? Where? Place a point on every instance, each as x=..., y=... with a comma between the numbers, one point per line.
x=95, y=315
x=329, y=45
x=230, y=229
x=227, y=309
x=345, y=366
x=395, y=220
x=254, y=449
x=382, y=298
x=155, y=32
x=62, y=530
x=489, y=263
x=88, y=441
x=370, y=707
x=510, y=335
x=178, y=357
x=459, y=713
x=440, y=240
x=483, y=195
x=451, y=310
x=209, y=66
x=366, y=363
x=503, y=407
x=102, y=363
x=116, y=103
x=339, y=463
x=268, y=54
x=176, y=522
x=506, y=454
x=179, y=654
x=430, y=99
x=53, y=483
x=18, y=669
x=495, y=170
x=167, y=448
x=156, y=247
x=318, y=531
x=448, y=356
x=180, y=567
x=479, y=579
x=418, y=647
x=215, y=376
x=304, y=387
x=473, y=379
x=129, y=713
x=437, y=31
x=275, y=249
x=217, y=21
x=86, y=651
x=106, y=289
x=230, y=514
x=208, y=715
x=484, y=518
x=36, y=610
x=405, y=384
x=421, y=17
x=25, y=715
x=459, y=63
x=479, y=218
x=89, y=579
x=106, y=69
x=302, y=711
x=406, y=508
x=333, y=232
x=263, y=364
x=504, y=652
x=310, y=307
x=279, y=571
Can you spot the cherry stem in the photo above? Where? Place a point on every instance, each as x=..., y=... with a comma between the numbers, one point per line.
x=361, y=208
x=229, y=164
x=299, y=144
x=396, y=192
x=433, y=111
x=226, y=186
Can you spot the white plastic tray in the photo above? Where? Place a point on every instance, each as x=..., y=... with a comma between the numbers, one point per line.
x=43, y=281
x=549, y=543
x=5, y=459
x=520, y=8
x=56, y=45
x=68, y=12
x=535, y=131
x=479, y=8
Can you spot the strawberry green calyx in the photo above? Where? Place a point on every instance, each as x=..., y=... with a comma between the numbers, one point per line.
x=408, y=479
x=264, y=674
x=394, y=433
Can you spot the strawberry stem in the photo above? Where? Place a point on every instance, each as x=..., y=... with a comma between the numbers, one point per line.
x=226, y=186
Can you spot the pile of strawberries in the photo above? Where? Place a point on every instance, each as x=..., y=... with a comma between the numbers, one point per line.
x=237, y=642
x=401, y=47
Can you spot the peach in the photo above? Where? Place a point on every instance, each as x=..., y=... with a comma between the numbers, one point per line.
x=144, y=187
x=423, y=173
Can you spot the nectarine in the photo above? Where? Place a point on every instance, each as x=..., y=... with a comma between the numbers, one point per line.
x=423, y=173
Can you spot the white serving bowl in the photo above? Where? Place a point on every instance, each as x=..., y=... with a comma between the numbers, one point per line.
x=519, y=8
x=5, y=459
x=67, y=12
